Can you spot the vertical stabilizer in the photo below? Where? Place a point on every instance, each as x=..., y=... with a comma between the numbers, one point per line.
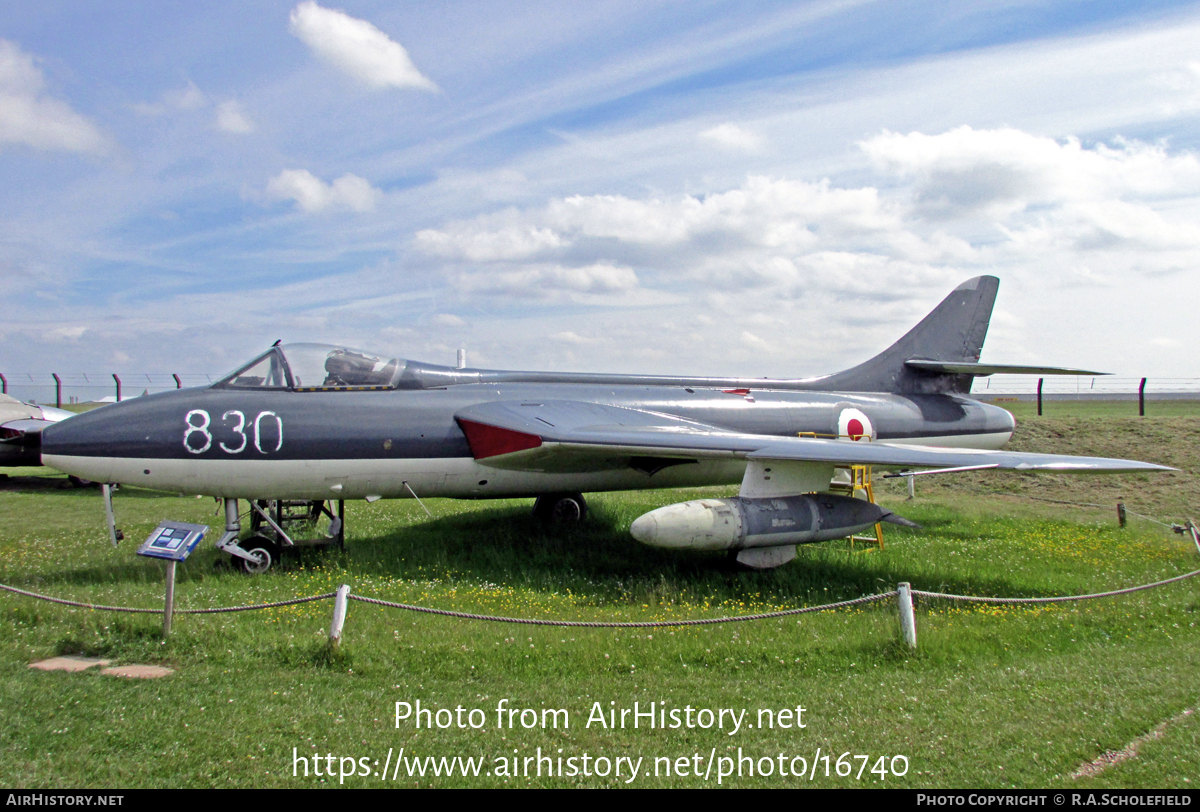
x=953, y=332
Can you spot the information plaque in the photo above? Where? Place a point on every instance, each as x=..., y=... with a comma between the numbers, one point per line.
x=173, y=541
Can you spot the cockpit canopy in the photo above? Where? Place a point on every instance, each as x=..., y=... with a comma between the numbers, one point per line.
x=316, y=367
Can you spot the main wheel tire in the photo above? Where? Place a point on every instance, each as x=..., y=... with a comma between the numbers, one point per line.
x=265, y=550
x=560, y=508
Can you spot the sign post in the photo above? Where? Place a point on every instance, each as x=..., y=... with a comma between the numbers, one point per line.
x=174, y=542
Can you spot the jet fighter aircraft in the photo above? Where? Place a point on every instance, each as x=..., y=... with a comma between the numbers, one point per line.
x=21, y=426
x=323, y=423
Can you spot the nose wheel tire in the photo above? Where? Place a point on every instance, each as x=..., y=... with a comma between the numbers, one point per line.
x=560, y=508
x=265, y=552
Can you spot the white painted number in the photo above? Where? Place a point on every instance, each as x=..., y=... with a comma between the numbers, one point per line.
x=258, y=431
x=239, y=430
x=193, y=428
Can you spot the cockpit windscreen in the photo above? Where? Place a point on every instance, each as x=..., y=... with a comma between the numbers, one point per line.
x=311, y=367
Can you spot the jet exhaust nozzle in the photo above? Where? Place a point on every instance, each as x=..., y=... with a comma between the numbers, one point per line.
x=741, y=522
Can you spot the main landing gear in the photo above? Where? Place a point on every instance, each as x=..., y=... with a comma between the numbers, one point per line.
x=560, y=508
x=270, y=521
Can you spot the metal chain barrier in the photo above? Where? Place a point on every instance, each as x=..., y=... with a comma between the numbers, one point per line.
x=647, y=624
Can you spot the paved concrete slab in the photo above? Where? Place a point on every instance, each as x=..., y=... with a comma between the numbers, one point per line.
x=138, y=671
x=68, y=663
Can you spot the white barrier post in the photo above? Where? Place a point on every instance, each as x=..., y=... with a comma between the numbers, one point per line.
x=908, y=624
x=339, y=615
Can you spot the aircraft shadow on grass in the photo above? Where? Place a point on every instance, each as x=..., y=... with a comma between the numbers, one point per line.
x=506, y=546
x=596, y=558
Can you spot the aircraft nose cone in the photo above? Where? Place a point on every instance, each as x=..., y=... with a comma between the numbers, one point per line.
x=645, y=528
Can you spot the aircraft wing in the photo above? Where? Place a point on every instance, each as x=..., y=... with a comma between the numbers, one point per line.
x=20, y=441
x=21, y=427
x=572, y=436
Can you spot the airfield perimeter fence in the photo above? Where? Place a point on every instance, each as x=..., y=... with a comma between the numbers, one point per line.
x=61, y=388
x=79, y=387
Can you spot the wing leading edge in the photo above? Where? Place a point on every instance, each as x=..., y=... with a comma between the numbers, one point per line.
x=577, y=436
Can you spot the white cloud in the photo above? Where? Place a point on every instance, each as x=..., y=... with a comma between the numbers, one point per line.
x=466, y=242
x=313, y=194
x=755, y=343
x=763, y=212
x=790, y=237
x=231, y=118
x=65, y=333
x=356, y=47
x=447, y=320
x=731, y=136
x=571, y=337
x=184, y=98
x=29, y=117
x=948, y=206
x=1040, y=192
x=545, y=281
x=967, y=169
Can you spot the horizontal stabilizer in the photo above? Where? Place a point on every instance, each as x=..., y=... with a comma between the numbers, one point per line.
x=983, y=370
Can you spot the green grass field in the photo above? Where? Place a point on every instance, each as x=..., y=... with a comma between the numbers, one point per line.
x=992, y=697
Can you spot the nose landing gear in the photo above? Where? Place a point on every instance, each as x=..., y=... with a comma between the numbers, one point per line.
x=269, y=523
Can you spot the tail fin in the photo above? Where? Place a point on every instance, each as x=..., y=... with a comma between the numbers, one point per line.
x=954, y=331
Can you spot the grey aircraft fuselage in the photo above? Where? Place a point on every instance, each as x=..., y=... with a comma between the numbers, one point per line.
x=286, y=444
x=320, y=423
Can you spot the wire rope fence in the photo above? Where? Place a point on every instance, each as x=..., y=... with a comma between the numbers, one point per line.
x=903, y=593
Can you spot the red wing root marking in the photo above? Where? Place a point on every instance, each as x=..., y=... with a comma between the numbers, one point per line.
x=490, y=441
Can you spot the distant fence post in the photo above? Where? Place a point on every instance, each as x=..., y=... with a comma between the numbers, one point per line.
x=57, y=390
x=1121, y=513
x=1040, y=380
x=118, y=380
x=178, y=383
x=908, y=624
x=1142, y=398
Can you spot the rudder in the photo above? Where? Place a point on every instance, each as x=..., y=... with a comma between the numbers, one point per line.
x=953, y=331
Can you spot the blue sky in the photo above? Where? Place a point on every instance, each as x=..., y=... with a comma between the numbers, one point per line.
x=704, y=188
